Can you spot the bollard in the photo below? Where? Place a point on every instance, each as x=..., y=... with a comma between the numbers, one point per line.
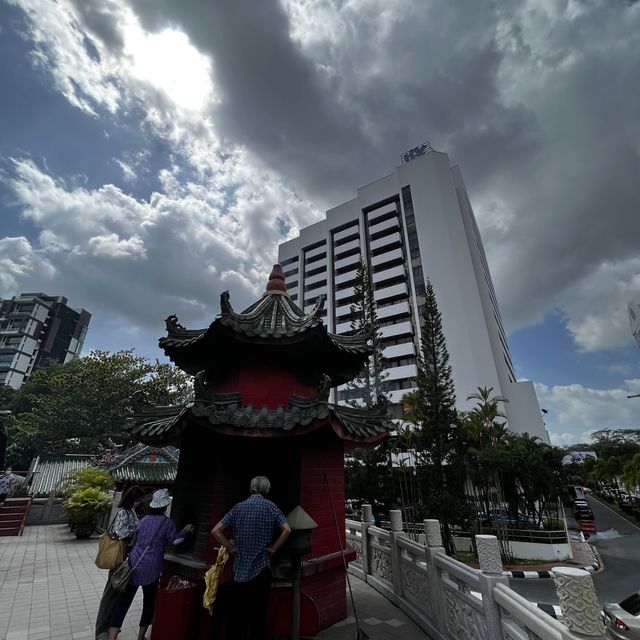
x=367, y=513
x=490, y=576
x=367, y=517
x=432, y=533
x=578, y=602
x=489, y=555
x=395, y=520
x=433, y=540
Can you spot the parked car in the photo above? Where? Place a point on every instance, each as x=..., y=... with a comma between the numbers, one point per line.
x=582, y=512
x=622, y=620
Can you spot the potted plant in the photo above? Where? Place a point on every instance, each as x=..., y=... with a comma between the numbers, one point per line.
x=83, y=508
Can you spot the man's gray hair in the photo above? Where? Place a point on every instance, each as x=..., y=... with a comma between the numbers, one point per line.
x=261, y=485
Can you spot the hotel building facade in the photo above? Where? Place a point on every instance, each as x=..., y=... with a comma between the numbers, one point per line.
x=414, y=224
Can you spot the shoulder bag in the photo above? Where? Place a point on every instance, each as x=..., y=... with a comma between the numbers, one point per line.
x=111, y=550
x=122, y=575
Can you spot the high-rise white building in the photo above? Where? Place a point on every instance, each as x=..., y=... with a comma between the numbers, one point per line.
x=413, y=224
x=34, y=328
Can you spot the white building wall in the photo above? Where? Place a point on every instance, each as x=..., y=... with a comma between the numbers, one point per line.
x=451, y=256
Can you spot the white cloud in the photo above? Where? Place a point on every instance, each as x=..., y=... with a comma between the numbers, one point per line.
x=144, y=259
x=596, y=306
x=303, y=101
x=19, y=261
x=574, y=411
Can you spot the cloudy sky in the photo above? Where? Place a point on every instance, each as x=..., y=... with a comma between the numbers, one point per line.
x=155, y=152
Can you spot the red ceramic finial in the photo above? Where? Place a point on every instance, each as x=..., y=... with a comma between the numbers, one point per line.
x=276, y=280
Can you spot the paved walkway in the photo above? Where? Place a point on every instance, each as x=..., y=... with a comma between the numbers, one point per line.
x=50, y=589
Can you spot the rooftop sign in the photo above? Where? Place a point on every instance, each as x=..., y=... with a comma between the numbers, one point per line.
x=416, y=152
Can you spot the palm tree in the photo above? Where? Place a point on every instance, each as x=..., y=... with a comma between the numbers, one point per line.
x=485, y=433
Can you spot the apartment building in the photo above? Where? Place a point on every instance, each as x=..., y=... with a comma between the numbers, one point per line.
x=415, y=223
x=34, y=328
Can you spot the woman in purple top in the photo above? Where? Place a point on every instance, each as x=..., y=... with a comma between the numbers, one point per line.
x=155, y=532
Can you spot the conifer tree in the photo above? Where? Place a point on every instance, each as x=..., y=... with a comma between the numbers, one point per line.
x=370, y=384
x=435, y=419
x=368, y=474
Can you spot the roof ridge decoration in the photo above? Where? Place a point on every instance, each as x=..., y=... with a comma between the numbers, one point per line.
x=273, y=316
x=227, y=413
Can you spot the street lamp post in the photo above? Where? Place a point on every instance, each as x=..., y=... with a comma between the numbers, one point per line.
x=635, y=395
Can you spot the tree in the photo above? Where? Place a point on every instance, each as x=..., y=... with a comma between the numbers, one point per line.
x=631, y=473
x=485, y=434
x=435, y=421
x=370, y=384
x=367, y=471
x=82, y=406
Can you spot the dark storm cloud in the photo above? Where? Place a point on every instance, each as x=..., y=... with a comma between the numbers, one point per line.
x=538, y=102
x=100, y=22
x=339, y=115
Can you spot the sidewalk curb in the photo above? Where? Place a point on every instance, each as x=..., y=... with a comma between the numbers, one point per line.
x=537, y=575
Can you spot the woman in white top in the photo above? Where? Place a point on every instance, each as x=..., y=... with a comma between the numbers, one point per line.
x=125, y=524
x=126, y=521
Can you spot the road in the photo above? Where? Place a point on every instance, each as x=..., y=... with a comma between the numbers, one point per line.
x=621, y=558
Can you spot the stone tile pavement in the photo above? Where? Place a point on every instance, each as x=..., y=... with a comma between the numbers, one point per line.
x=378, y=618
x=50, y=589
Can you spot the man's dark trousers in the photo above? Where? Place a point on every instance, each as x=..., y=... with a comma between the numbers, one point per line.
x=250, y=605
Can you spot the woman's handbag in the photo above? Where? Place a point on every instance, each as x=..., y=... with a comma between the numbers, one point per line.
x=111, y=551
x=122, y=575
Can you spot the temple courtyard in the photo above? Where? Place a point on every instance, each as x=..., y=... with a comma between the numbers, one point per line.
x=50, y=589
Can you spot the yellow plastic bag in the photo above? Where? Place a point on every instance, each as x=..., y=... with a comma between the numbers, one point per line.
x=212, y=579
x=110, y=552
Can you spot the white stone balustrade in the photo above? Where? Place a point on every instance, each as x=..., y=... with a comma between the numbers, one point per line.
x=451, y=601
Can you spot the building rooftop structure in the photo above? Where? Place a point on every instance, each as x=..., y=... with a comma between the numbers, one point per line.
x=36, y=328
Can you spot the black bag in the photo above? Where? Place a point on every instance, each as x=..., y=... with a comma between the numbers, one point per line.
x=122, y=575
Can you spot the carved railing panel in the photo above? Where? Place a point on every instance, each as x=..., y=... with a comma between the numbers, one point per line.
x=354, y=540
x=379, y=542
x=463, y=619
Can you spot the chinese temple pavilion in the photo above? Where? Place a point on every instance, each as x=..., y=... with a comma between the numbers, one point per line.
x=262, y=380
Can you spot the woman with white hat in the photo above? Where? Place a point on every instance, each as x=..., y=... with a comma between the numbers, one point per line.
x=155, y=532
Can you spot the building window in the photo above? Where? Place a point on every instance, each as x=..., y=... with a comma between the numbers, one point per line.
x=25, y=308
x=289, y=261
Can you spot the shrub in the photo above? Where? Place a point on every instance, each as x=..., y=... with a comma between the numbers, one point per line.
x=92, y=477
x=86, y=504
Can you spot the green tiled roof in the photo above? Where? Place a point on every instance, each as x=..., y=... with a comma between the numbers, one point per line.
x=146, y=472
x=227, y=411
x=129, y=466
x=51, y=475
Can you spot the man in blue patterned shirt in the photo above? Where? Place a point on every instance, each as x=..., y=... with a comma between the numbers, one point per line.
x=254, y=523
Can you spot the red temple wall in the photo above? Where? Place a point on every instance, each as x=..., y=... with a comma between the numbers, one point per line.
x=264, y=384
x=215, y=473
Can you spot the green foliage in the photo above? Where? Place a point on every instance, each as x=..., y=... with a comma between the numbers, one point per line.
x=433, y=433
x=86, y=504
x=619, y=443
x=631, y=473
x=368, y=471
x=370, y=384
x=90, y=477
x=79, y=406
